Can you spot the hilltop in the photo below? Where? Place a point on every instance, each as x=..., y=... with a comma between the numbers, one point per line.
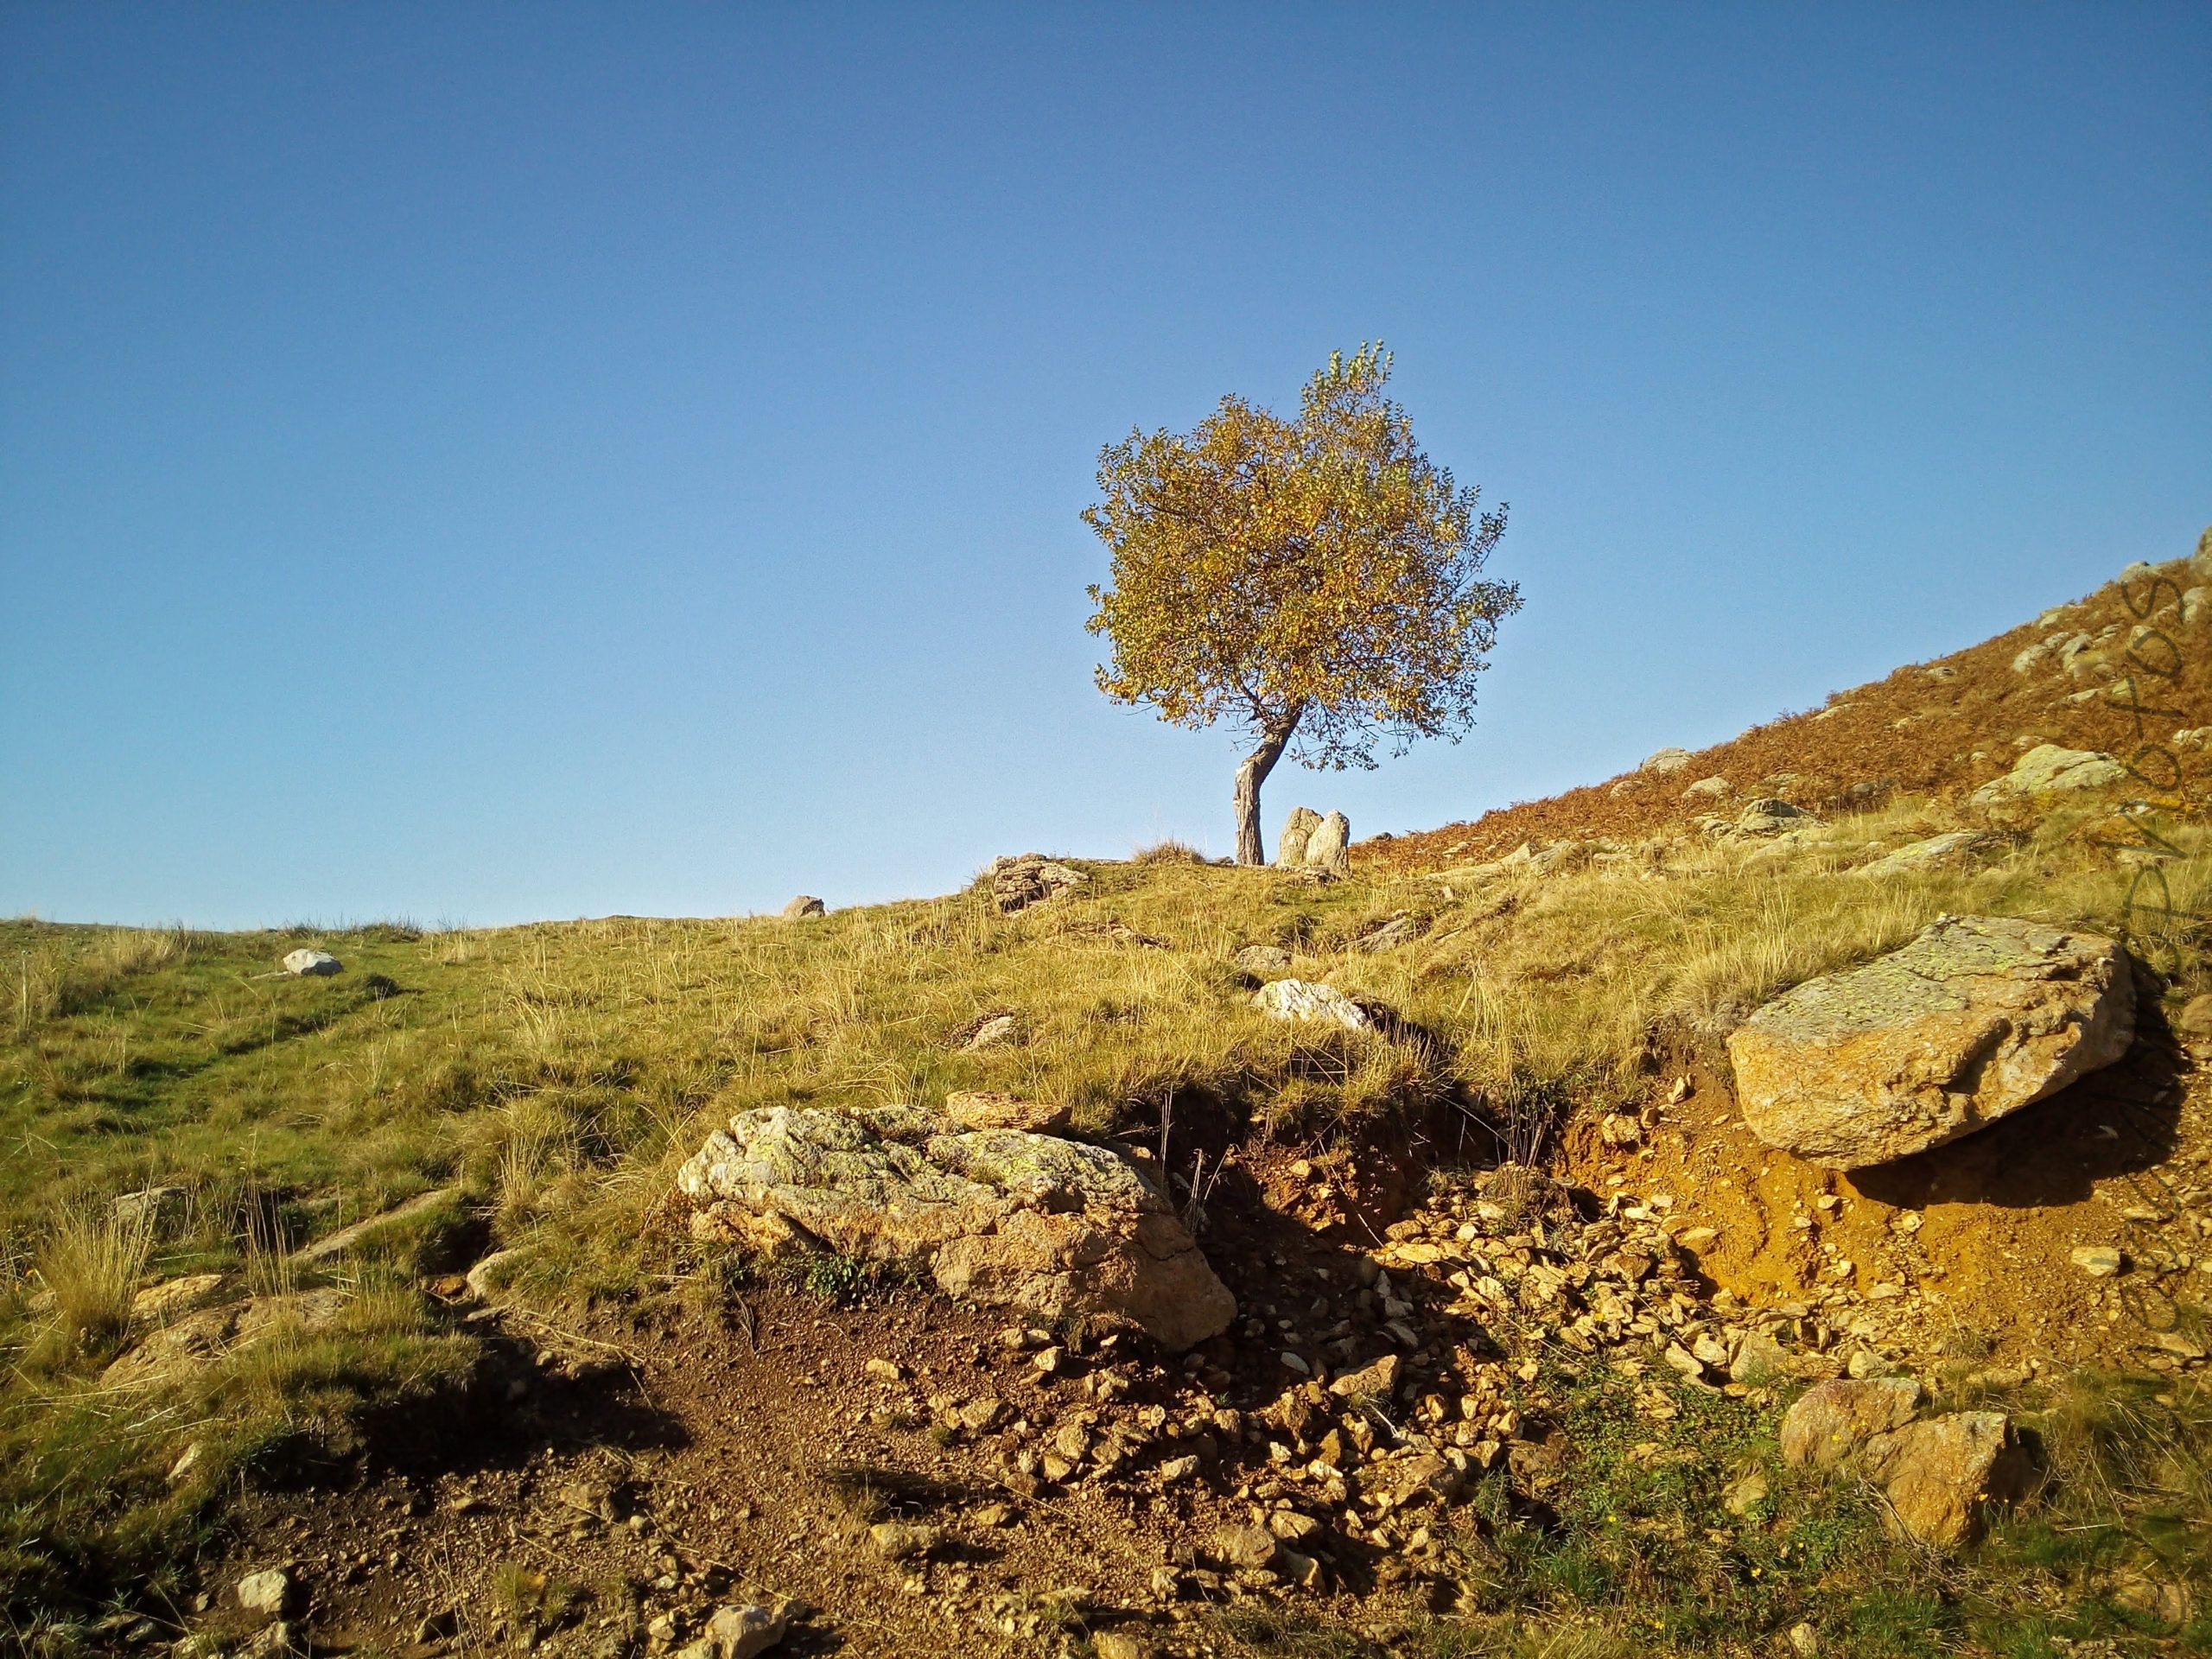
x=416, y=1299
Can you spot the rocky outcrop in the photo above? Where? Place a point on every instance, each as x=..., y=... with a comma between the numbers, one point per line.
x=1002, y=1217
x=1301, y=999
x=1939, y=1473
x=2048, y=769
x=1029, y=879
x=1310, y=842
x=1974, y=1019
x=201, y=1337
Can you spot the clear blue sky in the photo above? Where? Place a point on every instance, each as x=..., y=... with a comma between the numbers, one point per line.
x=492, y=461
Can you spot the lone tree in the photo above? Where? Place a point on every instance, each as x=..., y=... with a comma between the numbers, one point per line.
x=1316, y=583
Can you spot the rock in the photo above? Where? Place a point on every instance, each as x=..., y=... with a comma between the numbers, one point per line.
x=1771, y=815
x=742, y=1632
x=806, y=905
x=2030, y=658
x=1955, y=847
x=2047, y=769
x=1297, y=830
x=268, y=1592
x=1000, y=1217
x=1759, y=1358
x=1301, y=999
x=1329, y=847
x=1938, y=1475
x=157, y=1304
x=312, y=964
x=186, y=1461
x=2098, y=1261
x=1746, y=1493
x=1249, y=1546
x=2193, y=604
x=1375, y=1383
x=490, y=1274
x=339, y=1243
x=1620, y=1130
x=903, y=1541
x=1121, y=1644
x=1804, y=1641
x=995, y=1033
x=1706, y=789
x=1261, y=960
x=1030, y=879
x=2196, y=1018
x=2201, y=560
x=986, y=1108
x=270, y=1642
x=156, y=1209
x=1666, y=761
x=1400, y=929
x=198, y=1338
x=1975, y=1018
x=884, y=1370
x=1831, y=1422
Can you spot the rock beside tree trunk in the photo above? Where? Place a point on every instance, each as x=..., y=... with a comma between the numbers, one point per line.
x=1975, y=1018
x=1297, y=829
x=1057, y=1228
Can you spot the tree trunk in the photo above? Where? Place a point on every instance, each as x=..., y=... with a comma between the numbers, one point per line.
x=1250, y=774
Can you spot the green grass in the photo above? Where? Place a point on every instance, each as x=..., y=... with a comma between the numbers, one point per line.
x=554, y=1074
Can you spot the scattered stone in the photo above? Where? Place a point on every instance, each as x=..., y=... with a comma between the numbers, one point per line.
x=153, y=1208
x=2098, y=1261
x=490, y=1274
x=268, y=1592
x=1400, y=929
x=2196, y=1018
x=1974, y=1019
x=1771, y=815
x=884, y=1370
x=157, y=1304
x=1247, y=1546
x=1746, y=1493
x=198, y=1338
x=804, y=905
x=313, y=964
x=1121, y=1644
x=984, y=1108
x=1000, y=1217
x=1666, y=761
x=903, y=1541
x=742, y=1632
x=1261, y=960
x=995, y=1033
x=1706, y=789
x=1301, y=999
x=2047, y=768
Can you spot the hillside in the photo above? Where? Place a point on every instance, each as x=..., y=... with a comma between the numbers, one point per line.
x=438, y=1320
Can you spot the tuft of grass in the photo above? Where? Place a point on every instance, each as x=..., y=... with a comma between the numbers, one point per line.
x=90, y=1263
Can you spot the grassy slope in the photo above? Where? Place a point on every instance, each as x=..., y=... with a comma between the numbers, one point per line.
x=555, y=1072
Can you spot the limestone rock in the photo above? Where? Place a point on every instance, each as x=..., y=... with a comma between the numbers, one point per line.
x=1029, y=879
x=987, y=1108
x=1974, y=1019
x=1955, y=847
x=806, y=905
x=1297, y=830
x=2046, y=769
x=311, y=963
x=1301, y=998
x=1259, y=960
x=1002, y=1217
x=1833, y=1422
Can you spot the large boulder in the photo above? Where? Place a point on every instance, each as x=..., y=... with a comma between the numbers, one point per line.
x=1054, y=1227
x=1297, y=830
x=2048, y=769
x=1329, y=847
x=1308, y=999
x=311, y=965
x=1974, y=1019
x=804, y=905
x=1938, y=1473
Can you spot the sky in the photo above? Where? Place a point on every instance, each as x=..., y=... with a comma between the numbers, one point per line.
x=473, y=463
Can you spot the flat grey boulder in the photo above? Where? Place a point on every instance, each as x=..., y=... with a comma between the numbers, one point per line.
x=2047, y=769
x=1953, y=847
x=311, y=963
x=1975, y=1018
x=1003, y=1217
x=1303, y=998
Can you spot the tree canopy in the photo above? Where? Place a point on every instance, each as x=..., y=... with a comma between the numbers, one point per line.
x=1316, y=582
